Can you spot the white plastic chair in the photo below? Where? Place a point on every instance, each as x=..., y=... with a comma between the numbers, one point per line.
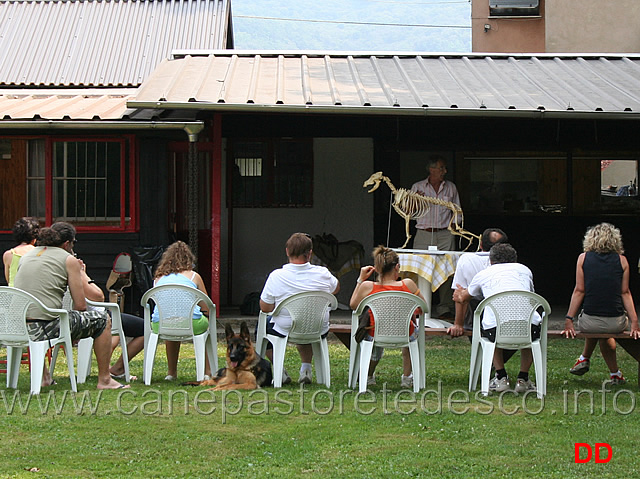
x=85, y=345
x=393, y=311
x=13, y=334
x=308, y=311
x=514, y=311
x=175, y=304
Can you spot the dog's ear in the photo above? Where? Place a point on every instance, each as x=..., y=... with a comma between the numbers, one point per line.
x=228, y=332
x=244, y=332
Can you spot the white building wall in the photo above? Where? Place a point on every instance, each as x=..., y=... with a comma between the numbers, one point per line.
x=341, y=206
x=592, y=26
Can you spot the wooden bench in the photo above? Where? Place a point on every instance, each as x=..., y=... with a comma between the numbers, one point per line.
x=631, y=346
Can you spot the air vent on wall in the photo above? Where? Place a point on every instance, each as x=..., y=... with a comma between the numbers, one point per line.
x=514, y=7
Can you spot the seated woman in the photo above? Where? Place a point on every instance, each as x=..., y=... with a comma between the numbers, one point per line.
x=25, y=232
x=133, y=326
x=387, y=267
x=602, y=289
x=176, y=267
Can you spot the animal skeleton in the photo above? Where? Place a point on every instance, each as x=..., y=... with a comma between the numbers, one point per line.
x=411, y=206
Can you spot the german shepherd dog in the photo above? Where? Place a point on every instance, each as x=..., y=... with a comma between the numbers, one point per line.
x=245, y=369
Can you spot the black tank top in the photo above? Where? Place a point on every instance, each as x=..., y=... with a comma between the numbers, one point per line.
x=602, y=284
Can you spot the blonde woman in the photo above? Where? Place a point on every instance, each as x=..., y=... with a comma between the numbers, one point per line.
x=387, y=267
x=602, y=290
x=176, y=267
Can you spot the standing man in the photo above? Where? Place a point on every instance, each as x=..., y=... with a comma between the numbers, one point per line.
x=297, y=276
x=432, y=229
x=46, y=271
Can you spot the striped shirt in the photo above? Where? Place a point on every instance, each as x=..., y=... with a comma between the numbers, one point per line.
x=438, y=216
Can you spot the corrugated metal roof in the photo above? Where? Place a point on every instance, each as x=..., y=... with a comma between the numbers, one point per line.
x=103, y=42
x=400, y=83
x=89, y=104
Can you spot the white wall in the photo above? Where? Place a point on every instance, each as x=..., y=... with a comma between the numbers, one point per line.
x=592, y=26
x=341, y=206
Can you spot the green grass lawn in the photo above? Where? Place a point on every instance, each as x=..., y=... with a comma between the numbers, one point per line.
x=169, y=430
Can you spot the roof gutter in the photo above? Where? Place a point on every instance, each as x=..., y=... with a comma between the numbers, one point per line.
x=191, y=128
x=393, y=111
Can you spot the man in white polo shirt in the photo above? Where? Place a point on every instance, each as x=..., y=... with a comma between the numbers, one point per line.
x=297, y=276
x=504, y=274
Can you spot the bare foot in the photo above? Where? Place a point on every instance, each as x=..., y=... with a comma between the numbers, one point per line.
x=112, y=384
x=47, y=380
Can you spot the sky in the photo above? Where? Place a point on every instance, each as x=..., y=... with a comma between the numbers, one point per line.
x=353, y=25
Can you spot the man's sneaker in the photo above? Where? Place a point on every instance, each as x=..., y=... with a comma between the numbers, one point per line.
x=523, y=386
x=406, y=382
x=286, y=379
x=580, y=367
x=616, y=380
x=498, y=385
x=305, y=377
x=371, y=380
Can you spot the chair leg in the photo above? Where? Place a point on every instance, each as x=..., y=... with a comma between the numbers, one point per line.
x=212, y=354
x=488, y=349
x=366, y=349
x=321, y=361
x=14, y=358
x=354, y=365
x=125, y=355
x=416, y=368
x=476, y=365
x=317, y=361
x=36, y=351
x=541, y=369
x=261, y=338
x=85, y=347
x=326, y=364
x=149, y=356
x=199, y=348
x=279, y=348
x=54, y=357
x=68, y=351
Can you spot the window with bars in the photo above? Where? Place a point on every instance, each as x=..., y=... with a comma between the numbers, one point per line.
x=89, y=182
x=271, y=173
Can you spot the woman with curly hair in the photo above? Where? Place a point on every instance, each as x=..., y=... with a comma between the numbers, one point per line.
x=602, y=289
x=25, y=232
x=176, y=267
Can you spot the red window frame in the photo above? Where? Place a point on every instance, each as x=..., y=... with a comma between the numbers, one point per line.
x=131, y=173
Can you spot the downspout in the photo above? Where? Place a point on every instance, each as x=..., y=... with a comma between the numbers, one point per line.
x=192, y=186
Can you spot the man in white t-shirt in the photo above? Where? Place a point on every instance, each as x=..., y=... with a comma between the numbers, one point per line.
x=470, y=264
x=297, y=276
x=504, y=274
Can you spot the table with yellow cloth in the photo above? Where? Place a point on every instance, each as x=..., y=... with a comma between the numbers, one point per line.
x=429, y=269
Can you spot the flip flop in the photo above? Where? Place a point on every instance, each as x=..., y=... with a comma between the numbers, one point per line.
x=122, y=376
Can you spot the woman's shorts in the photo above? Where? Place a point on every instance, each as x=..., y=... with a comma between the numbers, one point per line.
x=601, y=324
x=200, y=325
